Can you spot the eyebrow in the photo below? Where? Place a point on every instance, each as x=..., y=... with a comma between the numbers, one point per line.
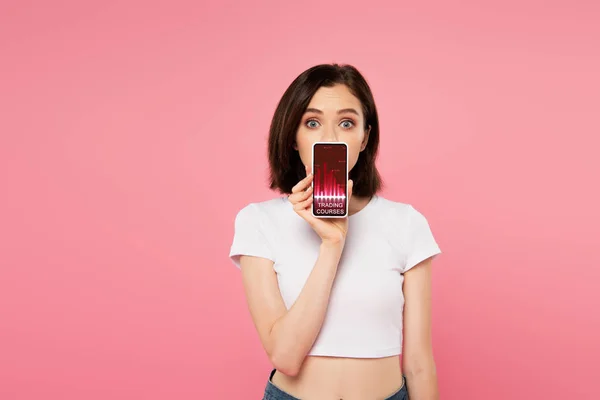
x=345, y=110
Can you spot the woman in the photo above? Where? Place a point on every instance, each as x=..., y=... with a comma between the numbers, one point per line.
x=336, y=301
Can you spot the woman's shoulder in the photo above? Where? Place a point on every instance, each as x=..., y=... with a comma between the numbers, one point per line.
x=401, y=215
x=394, y=208
x=409, y=226
x=256, y=208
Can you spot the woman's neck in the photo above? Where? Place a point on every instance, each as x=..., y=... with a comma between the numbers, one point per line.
x=357, y=203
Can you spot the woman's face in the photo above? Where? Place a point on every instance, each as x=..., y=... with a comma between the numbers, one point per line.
x=334, y=114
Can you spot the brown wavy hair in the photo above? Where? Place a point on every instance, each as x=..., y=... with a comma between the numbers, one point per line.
x=285, y=165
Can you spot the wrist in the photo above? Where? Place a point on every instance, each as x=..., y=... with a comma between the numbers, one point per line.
x=332, y=245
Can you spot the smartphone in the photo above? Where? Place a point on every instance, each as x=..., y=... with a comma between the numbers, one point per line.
x=330, y=181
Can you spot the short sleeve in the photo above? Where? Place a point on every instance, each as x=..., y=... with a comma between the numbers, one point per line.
x=249, y=237
x=420, y=242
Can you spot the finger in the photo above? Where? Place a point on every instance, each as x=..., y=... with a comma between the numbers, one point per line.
x=300, y=196
x=350, y=187
x=306, y=213
x=300, y=186
x=303, y=205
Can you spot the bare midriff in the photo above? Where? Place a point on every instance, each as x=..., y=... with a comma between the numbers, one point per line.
x=338, y=378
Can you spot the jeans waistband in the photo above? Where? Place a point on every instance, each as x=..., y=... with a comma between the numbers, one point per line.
x=272, y=392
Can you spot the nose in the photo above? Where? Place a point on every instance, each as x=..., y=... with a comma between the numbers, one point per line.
x=330, y=133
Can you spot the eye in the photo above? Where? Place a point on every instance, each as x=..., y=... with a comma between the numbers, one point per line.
x=312, y=123
x=347, y=124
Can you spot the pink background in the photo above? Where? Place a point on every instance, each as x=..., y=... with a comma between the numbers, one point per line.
x=118, y=122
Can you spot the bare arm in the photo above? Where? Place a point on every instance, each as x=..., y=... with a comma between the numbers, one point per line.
x=419, y=364
x=288, y=335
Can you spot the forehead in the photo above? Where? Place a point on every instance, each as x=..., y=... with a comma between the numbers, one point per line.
x=334, y=98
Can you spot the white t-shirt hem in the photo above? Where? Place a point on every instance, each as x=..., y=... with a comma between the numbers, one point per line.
x=422, y=256
x=355, y=353
x=235, y=255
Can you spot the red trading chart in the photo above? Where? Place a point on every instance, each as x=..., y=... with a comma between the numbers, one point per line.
x=330, y=179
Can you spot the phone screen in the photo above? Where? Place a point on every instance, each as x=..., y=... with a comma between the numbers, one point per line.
x=330, y=182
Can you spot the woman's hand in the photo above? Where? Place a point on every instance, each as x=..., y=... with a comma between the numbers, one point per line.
x=330, y=230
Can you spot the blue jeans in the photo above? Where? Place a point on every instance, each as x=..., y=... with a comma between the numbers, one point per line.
x=272, y=392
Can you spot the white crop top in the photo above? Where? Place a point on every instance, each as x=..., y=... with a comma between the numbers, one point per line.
x=384, y=240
